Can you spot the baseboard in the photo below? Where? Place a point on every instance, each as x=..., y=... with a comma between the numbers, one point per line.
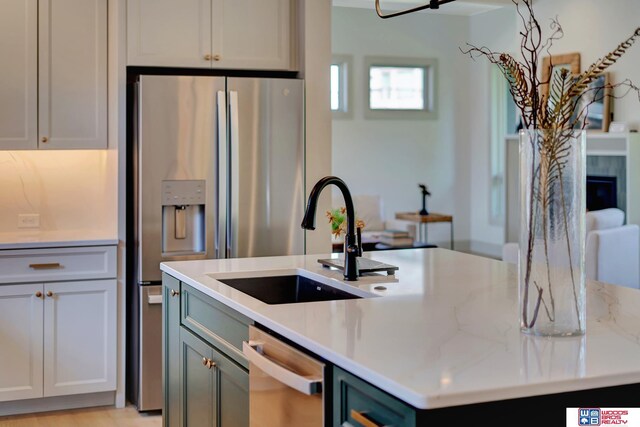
x=45, y=404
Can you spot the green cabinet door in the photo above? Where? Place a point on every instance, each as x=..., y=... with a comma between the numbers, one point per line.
x=233, y=392
x=358, y=403
x=215, y=390
x=171, y=350
x=198, y=380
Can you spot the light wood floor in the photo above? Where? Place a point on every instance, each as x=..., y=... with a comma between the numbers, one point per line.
x=89, y=417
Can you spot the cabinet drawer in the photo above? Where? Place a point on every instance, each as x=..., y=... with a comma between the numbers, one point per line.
x=216, y=323
x=359, y=404
x=58, y=264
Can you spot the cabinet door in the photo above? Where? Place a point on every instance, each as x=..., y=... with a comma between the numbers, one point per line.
x=212, y=393
x=20, y=342
x=356, y=403
x=72, y=51
x=233, y=392
x=80, y=343
x=172, y=33
x=19, y=82
x=251, y=34
x=198, y=381
x=171, y=350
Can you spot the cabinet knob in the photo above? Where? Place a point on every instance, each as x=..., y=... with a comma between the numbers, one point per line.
x=174, y=292
x=38, y=294
x=207, y=57
x=217, y=57
x=208, y=362
x=49, y=293
x=45, y=139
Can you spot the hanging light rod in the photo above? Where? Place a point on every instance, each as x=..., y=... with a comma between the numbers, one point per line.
x=433, y=4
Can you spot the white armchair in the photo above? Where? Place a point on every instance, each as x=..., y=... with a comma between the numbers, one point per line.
x=612, y=252
x=612, y=249
x=370, y=210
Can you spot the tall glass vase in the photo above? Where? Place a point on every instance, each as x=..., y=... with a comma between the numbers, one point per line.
x=552, y=291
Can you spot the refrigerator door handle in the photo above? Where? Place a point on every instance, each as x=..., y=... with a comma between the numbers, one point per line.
x=221, y=189
x=232, y=174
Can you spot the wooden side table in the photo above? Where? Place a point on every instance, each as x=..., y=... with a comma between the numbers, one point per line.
x=423, y=220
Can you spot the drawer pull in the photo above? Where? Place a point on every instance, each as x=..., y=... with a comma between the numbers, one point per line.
x=308, y=385
x=49, y=293
x=38, y=294
x=47, y=266
x=363, y=419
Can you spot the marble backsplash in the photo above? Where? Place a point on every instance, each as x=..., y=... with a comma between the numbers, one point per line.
x=69, y=189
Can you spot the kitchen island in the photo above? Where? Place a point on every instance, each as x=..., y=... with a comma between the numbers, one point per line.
x=442, y=334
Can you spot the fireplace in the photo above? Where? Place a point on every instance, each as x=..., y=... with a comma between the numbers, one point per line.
x=602, y=192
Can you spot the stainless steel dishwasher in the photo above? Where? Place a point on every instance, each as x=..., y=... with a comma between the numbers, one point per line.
x=285, y=385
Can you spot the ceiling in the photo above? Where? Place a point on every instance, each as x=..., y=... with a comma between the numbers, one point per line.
x=459, y=7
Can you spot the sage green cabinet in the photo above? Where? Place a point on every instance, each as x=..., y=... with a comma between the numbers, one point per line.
x=205, y=376
x=215, y=391
x=171, y=349
x=357, y=403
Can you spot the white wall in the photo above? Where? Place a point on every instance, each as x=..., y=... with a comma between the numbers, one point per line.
x=314, y=52
x=495, y=30
x=390, y=157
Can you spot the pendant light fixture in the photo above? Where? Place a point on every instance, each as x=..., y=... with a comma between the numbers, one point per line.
x=433, y=4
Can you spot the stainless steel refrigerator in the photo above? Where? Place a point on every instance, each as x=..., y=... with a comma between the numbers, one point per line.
x=217, y=172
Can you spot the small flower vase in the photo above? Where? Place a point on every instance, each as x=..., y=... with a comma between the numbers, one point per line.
x=552, y=288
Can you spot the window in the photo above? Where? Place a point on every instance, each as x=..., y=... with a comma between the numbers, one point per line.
x=400, y=88
x=341, y=87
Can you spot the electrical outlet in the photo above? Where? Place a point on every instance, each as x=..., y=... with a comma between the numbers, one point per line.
x=28, y=220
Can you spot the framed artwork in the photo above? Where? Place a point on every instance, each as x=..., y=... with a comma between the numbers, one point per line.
x=597, y=101
x=553, y=64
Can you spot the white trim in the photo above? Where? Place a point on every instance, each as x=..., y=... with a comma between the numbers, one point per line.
x=345, y=62
x=56, y=403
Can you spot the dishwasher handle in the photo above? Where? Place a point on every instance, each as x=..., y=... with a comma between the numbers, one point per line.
x=303, y=384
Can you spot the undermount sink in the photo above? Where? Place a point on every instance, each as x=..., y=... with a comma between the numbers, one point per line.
x=287, y=289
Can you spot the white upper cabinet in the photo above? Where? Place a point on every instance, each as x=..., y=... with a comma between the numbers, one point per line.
x=233, y=34
x=19, y=75
x=169, y=32
x=53, y=83
x=72, y=76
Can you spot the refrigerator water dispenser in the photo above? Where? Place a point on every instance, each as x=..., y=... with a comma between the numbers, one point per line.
x=183, y=217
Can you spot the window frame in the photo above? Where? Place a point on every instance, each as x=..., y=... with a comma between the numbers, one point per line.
x=345, y=64
x=430, y=87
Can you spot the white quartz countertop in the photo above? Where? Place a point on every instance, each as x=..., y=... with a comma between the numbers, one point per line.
x=446, y=330
x=34, y=239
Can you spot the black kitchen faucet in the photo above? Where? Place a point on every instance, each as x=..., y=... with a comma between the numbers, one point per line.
x=309, y=222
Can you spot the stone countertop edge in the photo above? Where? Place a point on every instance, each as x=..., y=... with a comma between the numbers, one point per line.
x=55, y=239
x=462, y=362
